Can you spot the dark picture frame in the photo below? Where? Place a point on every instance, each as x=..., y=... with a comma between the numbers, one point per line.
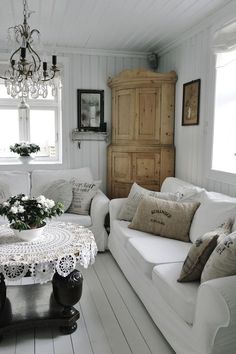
x=90, y=104
x=191, y=102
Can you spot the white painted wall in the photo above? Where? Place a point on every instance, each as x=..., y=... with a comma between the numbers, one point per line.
x=92, y=72
x=86, y=70
x=191, y=58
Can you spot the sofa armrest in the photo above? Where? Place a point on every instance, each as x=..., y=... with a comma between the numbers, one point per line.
x=114, y=207
x=98, y=211
x=215, y=316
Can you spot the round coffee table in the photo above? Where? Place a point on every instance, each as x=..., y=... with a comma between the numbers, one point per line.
x=53, y=256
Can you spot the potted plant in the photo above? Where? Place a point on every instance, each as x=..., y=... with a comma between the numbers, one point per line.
x=24, y=149
x=27, y=215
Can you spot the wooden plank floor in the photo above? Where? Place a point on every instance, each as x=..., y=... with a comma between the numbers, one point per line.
x=113, y=320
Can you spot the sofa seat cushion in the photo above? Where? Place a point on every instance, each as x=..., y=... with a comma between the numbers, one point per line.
x=181, y=297
x=123, y=233
x=147, y=251
x=84, y=220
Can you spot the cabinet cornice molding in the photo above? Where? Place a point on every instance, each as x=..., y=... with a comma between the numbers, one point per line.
x=137, y=76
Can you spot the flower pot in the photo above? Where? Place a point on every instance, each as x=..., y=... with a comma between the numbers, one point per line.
x=25, y=159
x=30, y=234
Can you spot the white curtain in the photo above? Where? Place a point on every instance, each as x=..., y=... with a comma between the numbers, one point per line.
x=224, y=39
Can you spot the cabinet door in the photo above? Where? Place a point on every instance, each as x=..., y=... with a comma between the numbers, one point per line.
x=147, y=127
x=121, y=167
x=120, y=190
x=124, y=114
x=147, y=168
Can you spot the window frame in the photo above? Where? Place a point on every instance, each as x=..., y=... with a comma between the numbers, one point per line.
x=211, y=174
x=37, y=104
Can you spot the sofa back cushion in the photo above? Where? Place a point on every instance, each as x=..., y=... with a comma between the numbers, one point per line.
x=186, y=191
x=42, y=178
x=14, y=182
x=200, y=252
x=59, y=191
x=215, y=209
x=222, y=262
x=164, y=218
x=135, y=195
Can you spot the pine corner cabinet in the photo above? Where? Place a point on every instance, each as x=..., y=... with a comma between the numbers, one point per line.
x=142, y=148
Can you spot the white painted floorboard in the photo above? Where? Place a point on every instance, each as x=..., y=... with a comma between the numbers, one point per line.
x=112, y=321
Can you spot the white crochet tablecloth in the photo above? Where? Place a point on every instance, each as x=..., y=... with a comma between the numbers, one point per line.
x=58, y=249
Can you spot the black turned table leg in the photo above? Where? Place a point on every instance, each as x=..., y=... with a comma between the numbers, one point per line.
x=67, y=292
x=2, y=292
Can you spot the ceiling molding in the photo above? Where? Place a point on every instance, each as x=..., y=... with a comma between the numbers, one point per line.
x=60, y=50
x=221, y=16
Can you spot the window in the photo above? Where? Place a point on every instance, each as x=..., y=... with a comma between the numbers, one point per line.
x=224, y=142
x=41, y=124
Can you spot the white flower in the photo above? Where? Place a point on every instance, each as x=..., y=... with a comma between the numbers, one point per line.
x=41, y=199
x=14, y=210
x=21, y=209
x=17, y=203
x=49, y=203
x=7, y=204
x=25, y=198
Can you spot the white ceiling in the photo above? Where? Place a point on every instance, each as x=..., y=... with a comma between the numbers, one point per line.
x=126, y=25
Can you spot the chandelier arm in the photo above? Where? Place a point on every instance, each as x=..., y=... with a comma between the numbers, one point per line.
x=16, y=51
x=2, y=77
x=38, y=57
x=49, y=78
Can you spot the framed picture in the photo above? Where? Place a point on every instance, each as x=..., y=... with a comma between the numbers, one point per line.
x=191, y=102
x=90, y=110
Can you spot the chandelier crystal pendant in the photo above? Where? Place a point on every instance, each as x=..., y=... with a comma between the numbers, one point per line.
x=27, y=76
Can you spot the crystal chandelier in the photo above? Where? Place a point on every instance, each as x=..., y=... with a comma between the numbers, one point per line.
x=27, y=76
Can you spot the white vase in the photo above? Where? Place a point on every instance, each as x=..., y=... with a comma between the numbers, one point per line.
x=30, y=234
x=25, y=159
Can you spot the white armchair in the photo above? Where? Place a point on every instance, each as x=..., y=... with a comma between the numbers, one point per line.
x=14, y=182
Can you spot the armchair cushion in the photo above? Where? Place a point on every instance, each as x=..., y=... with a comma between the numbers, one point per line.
x=40, y=178
x=59, y=191
x=83, y=194
x=13, y=183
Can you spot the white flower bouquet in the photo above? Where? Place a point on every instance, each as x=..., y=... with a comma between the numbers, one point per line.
x=26, y=213
x=24, y=148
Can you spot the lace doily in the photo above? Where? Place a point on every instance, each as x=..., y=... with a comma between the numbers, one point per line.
x=58, y=249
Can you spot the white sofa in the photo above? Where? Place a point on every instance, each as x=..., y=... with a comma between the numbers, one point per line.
x=195, y=318
x=15, y=182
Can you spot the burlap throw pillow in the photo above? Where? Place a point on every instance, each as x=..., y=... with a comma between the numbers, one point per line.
x=164, y=218
x=200, y=252
x=59, y=191
x=222, y=261
x=83, y=194
x=135, y=195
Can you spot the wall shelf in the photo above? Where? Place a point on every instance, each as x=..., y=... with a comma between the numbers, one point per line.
x=79, y=136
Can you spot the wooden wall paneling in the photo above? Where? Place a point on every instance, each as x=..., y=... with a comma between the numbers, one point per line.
x=190, y=59
x=92, y=72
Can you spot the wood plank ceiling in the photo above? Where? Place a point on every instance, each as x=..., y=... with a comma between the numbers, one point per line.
x=126, y=25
